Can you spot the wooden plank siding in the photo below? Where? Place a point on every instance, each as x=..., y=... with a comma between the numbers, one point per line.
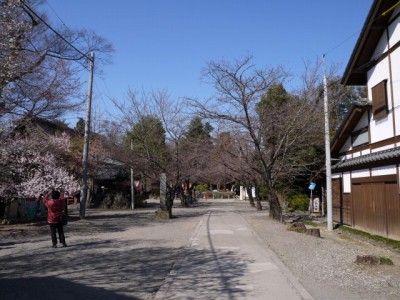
x=337, y=200
x=393, y=210
x=346, y=210
x=341, y=203
x=376, y=207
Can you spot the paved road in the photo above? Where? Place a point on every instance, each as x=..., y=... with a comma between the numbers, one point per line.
x=204, y=252
x=226, y=260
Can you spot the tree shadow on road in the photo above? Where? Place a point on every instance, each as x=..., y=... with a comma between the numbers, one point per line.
x=50, y=288
x=114, y=269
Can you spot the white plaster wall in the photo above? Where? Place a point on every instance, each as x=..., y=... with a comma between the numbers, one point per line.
x=386, y=170
x=366, y=151
x=383, y=148
x=346, y=146
x=377, y=74
x=363, y=122
x=382, y=46
x=394, y=28
x=381, y=129
x=335, y=176
x=356, y=154
x=397, y=118
x=360, y=173
x=346, y=182
x=395, y=61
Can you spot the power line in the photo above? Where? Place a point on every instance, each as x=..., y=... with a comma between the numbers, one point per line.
x=358, y=31
x=62, y=22
x=55, y=31
x=341, y=43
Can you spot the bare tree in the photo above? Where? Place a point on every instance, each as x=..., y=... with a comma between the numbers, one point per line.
x=234, y=150
x=151, y=159
x=276, y=132
x=38, y=76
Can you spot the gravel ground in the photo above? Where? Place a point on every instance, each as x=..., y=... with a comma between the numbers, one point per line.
x=326, y=266
x=136, y=248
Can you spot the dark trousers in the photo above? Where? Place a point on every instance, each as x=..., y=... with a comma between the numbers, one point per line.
x=57, y=227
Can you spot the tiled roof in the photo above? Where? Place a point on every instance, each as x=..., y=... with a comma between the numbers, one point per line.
x=368, y=158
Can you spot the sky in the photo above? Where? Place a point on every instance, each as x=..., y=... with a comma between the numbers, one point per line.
x=165, y=44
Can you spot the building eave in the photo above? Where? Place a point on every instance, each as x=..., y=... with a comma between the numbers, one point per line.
x=361, y=59
x=347, y=126
x=379, y=158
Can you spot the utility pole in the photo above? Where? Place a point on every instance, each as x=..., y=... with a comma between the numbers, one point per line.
x=84, y=190
x=327, y=155
x=132, y=183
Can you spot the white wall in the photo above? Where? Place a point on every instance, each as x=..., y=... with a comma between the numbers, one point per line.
x=383, y=128
x=366, y=151
x=394, y=33
x=382, y=46
x=360, y=173
x=346, y=182
x=363, y=122
x=382, y=148
x=346, y=146
x=394, y=28
x=386, y=170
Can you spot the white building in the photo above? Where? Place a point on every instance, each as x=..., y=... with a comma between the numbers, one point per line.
x=366, y=180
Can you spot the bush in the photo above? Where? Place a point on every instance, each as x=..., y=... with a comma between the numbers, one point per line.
x=120, y=201
x=386, y=261
x=115, y=201
x=202, y=187
x=299, y=202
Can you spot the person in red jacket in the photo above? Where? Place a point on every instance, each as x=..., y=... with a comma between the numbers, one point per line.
x=55, y=206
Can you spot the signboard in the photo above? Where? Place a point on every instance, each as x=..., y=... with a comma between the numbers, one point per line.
x=312, y=186
x=316, y=205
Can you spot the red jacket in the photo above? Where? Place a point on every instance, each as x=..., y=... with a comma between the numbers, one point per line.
x=54, y=208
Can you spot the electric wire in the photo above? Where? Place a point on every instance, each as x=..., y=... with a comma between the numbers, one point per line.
x=58, y=17
x=56, y=32
x=359, y=31
x=99, y=93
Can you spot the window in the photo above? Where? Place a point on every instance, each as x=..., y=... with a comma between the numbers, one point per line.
x=360, y=137
x=379, y=100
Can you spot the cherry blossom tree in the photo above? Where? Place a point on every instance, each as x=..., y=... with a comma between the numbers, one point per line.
x=30, y=166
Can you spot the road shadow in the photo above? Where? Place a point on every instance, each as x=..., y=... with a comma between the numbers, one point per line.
x=116, y=270
x=50, y=288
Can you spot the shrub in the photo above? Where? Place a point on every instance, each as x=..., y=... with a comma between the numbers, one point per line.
x=298, y=227
x=299, y=202
x=202, y=187
x=120, y=201
x=115, y=201
x=386, y=261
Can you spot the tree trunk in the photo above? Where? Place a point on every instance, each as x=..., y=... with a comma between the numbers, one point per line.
x=250, y=195
x=275, y=209
x=167, y=195
x=258, y=198
x=183, y=196
x=170, y=200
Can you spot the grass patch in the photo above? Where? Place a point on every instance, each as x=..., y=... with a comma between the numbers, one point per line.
x=386, y=261
x=297, y=227
x=392, y=243
x=311, y=223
